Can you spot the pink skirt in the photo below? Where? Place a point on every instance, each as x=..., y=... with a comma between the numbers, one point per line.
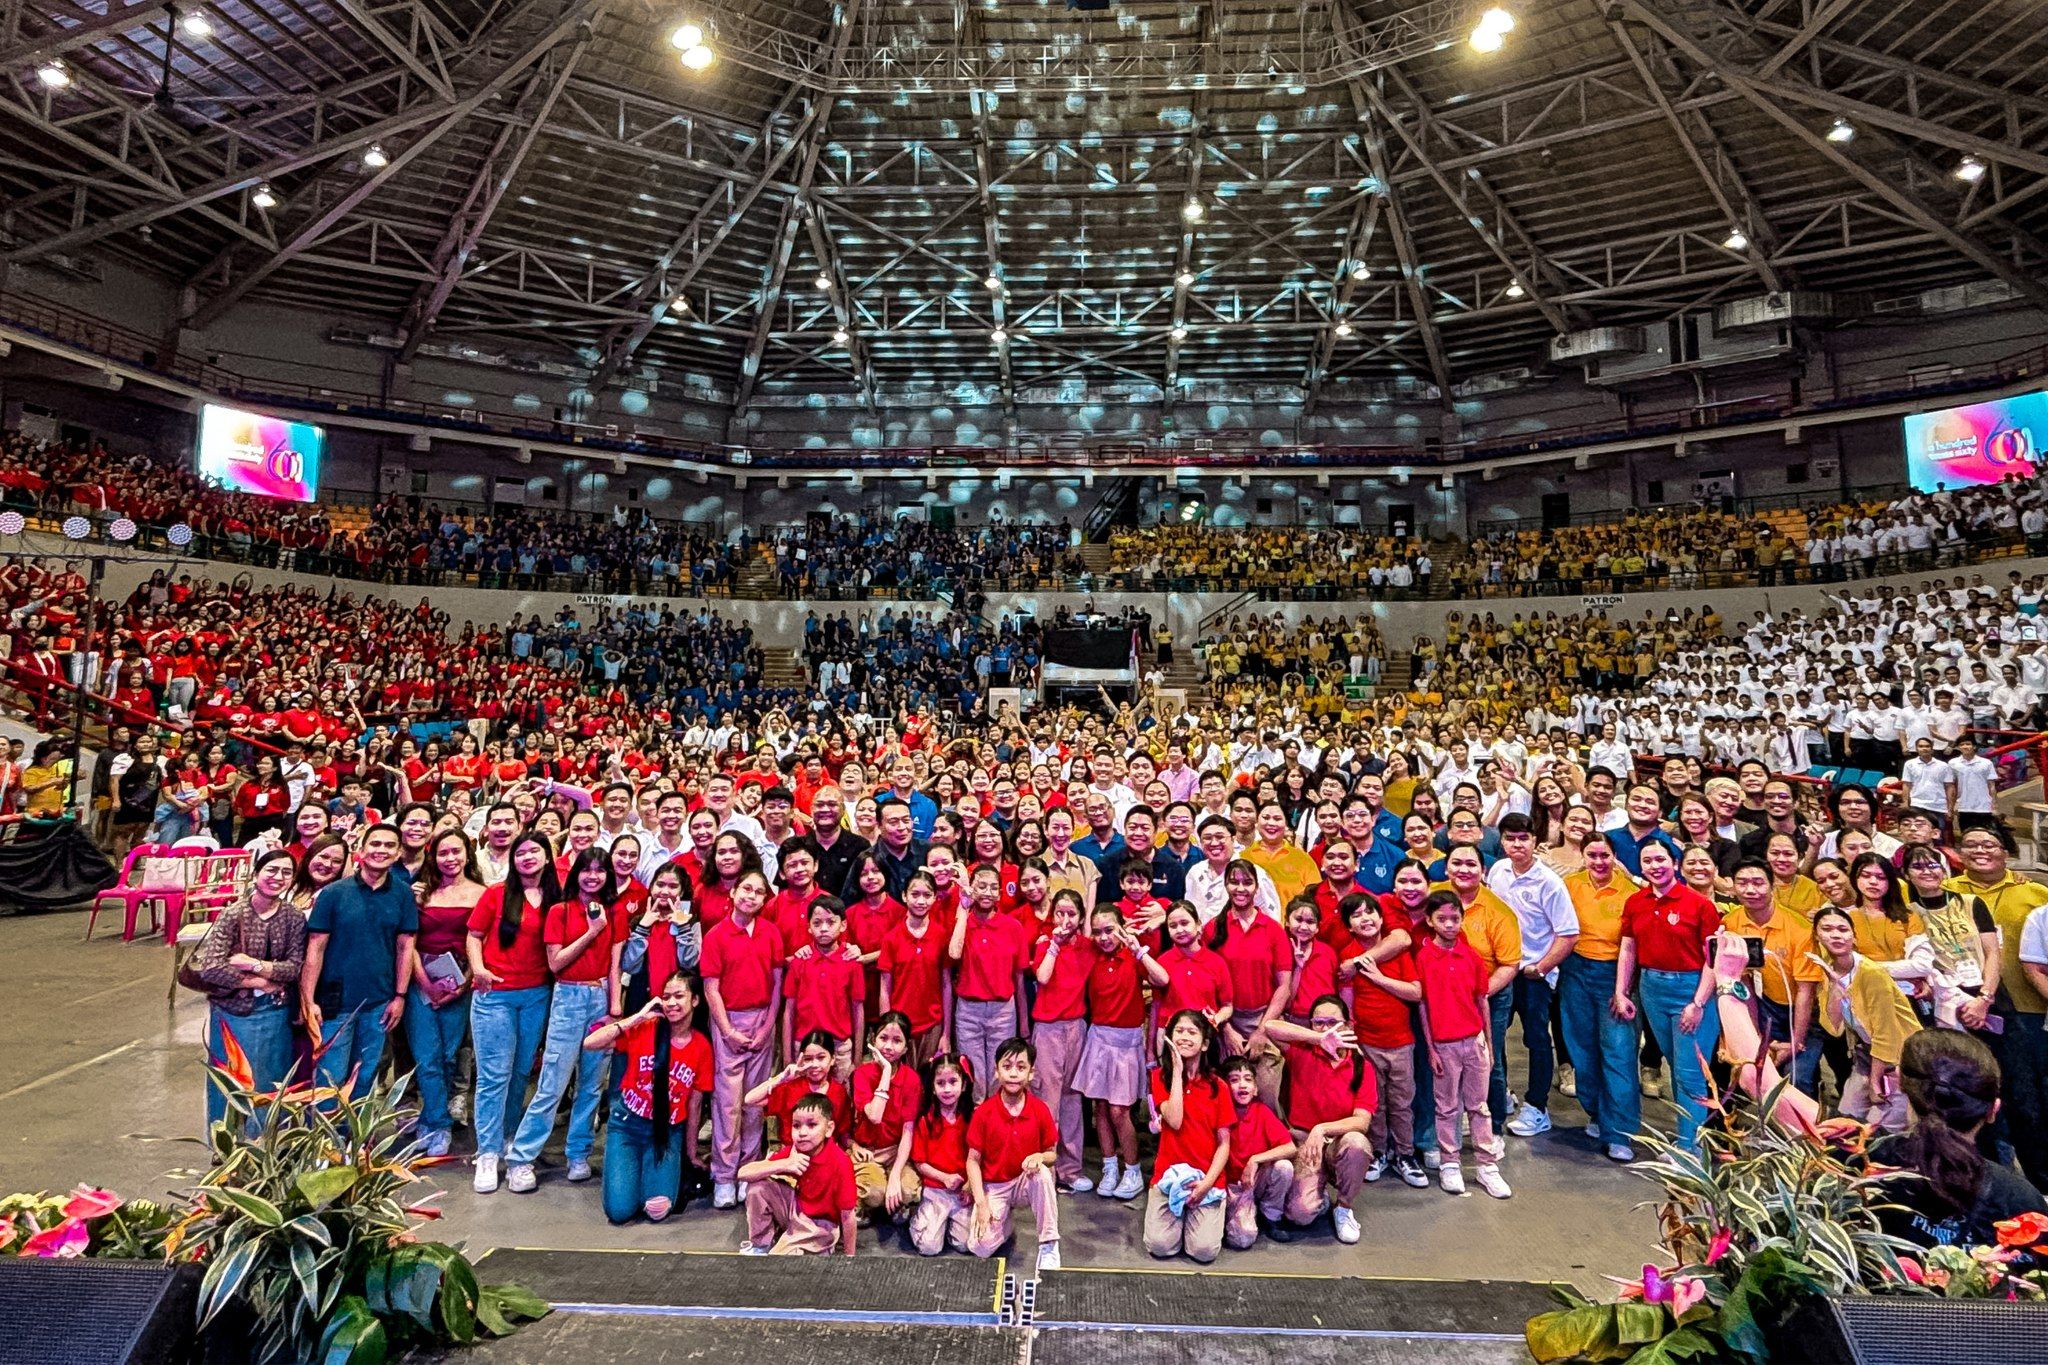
x=1112, y=1065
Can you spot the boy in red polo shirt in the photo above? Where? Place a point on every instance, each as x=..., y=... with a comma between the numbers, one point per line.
x=826, y=989
x=1010, y=1153
x=1455, y=1015
x=800, y=1200
x=1260, y=1172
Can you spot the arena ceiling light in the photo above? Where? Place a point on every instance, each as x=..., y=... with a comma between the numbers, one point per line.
x=264, y=197
x=1969, y=170
x=375, y=158
x=54, y=74
x=692, y=50
x=1343, y=329
x=999, y=336
x=994, y=281
x=1842, y=131
x=1185, y=278
x=823, y=281
x=195, y=24
x=1194, y=210
x=1361, y=271
x=840, y=337
x=1179, y=332
x=1515, y=290
x=1736, y=240
x=1492, y=30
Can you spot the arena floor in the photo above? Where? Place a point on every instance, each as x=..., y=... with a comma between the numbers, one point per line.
x=99, y=1082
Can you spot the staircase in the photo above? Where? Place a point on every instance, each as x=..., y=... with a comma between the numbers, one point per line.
x=1118, y=506
x=1185, y=673
x=1396, y=673
x=782, y=666
x=757, y=581
x=1097, y=556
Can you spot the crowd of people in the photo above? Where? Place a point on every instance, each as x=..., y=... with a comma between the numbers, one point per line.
x=1263, y=649
x=912, y=661
x=872, y=555
x=1323, y=563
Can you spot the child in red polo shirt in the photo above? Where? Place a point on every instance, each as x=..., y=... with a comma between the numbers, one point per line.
x=913, y=970
x=1195, y=1118
x=1059, y=1028
x=1188, y=975
x=1382, y=988
x=990, y=953
x=1112, y=1067
x=824, y=987
x=1140, y=910
x=1260, y=1172
x=938, y=1157
x=801, y=1201
x=1010, y=1154
x=742, y=967
x=1315, y=962
x=1455, y=1016
x=887, y=1094
x=1332, y=1094
x=810, y=1074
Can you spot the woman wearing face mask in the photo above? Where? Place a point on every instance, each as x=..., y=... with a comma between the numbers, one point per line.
x=249, y=962
x=436, y=1010
x=508, y=1012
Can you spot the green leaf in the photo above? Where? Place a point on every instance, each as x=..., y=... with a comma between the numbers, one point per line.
x=312, y=1229
x=224, y=1279
x=501, y=1307
x=306, y=1270
x=256, y=1207
x=323, y=1187
x=353, y=1336
x=1575, y=1334
x=1636, y=1323
x=1687, y=1343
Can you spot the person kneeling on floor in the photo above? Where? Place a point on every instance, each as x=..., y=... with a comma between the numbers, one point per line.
x=1184, y=1208
x=1260, y=1172
x=1332, y=1091
x=1012, y=1142
x=660, y=1101
x=801, y=1200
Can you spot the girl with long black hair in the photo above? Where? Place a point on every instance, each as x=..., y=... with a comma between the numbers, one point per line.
x=508, y=1010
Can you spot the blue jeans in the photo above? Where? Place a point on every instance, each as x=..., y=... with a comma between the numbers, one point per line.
x=505, y=1032
x=1528, y=998
x=1425, y=1087
x=435, y=1036
x=1603, y=1048
x=576, y=1007
x=1665, y=996
x=1777, y=1028
x=353, y=1043
x=635, y=1170
x=265, y=1037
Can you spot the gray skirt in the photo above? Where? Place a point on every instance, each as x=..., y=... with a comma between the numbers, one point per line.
x=1112, y=1065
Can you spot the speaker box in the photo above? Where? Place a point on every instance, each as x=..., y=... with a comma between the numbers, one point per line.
x=97, y=1312
x=1887, y=1331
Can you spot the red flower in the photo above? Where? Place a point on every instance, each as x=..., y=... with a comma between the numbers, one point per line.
x=89, y=1203
x=2022, y=1231
x=64, y=1242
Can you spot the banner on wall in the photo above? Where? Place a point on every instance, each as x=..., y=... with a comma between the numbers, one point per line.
x=1977, y=444
x=247, y=452
x=1600, y=602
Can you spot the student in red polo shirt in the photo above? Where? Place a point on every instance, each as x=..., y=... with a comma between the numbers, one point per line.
x=1664, y=930
x=1332, y=1095
x=1261, y=962
x=1112, y=1067
x=809, y=1073
x=1260, y=1171
x=1381, y=993
x=990, y=955
x=915, y=981
x=887, y=1095
x=1315, y=962
x=1010, y=1142
x=742, y=969
x=824, y=986
x=1455, y=1016
x=1187, y=975
x=1195, y=1118
x=1059, y=1028
x=938, y=1155
x=801, y=1200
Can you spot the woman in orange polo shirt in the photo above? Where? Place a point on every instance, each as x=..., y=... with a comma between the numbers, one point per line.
x=1602, y=1044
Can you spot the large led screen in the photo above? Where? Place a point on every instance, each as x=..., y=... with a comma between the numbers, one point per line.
x=1979, y=444
x=247, y=452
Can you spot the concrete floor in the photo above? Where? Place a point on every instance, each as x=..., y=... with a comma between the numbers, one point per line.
x=101, y=1082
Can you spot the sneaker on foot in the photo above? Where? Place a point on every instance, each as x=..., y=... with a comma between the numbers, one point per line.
x=1653, y=1084
x=1452, y=1178
x=520, y=1179
x=1048, y=1256
x=1133, y=1183
x=458, y=1108
x=434, y=1143
x=749, y=1249
x=1568, y=1082
x=1277, y=1229
x=1432, y=1159
x=486, y=1181
x=1620, y=1151
x=1489, y=1180
x=1593, y=1131
x=723, y=1196
x=1080, y=1184
x=1529, y=1121
x=1411, y=1172
x=1346, y=1224
x=1111, y=1173
x=579, y=1170
x=1378, y=1167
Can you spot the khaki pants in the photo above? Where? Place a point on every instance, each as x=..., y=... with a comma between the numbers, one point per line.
x=1461, y=1089
x=1396, y=1068
x=1199, y=1233
x=1265, y=1196
x=1035, y=1190
x=871, y=1179
x=940, y=1221
x=1059, y=1053
x=1266, y=1059
x=736, y=1128
x=1332, y=1167
x=775, y=1222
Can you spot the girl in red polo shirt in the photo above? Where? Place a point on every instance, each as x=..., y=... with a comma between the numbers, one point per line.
x=1381, y=996
x=990, y=955
x=809, y=1074
x=1195, y=1116
x=1033, y=908
x=742, y=970
x=913, y=970
x=938, y=1153
x=1261, y=962
x=887, y=1096
x=1059, y=1027
x=1187, y=975
x=1111, y=1070
x=1332, y=1095
x=824, y=987
x=508, y=1011
x=1315, y=962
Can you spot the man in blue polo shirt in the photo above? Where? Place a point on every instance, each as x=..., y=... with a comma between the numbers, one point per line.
x=1643, y=806
x=358, y=940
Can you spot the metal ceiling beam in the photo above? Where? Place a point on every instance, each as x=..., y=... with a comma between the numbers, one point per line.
x=1824, y=15
x=1357, y=248
x=466, y=229
x=1411, y=267
x=1885, y=187
x=403, y=47
x=1211, y=17
x=1711, y=162
x=771, y=300
x=86, y=27
x=967, y=19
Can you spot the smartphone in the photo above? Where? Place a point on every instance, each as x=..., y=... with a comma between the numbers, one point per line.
x=1756, y=953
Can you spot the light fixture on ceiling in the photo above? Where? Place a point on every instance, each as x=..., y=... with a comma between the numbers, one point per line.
x=994, y=281
x=375, y=158
x=264, y=197
x=54, y=74
x=1515, y=290
x=688, y=41
x=1841, y=131
x=1736, y=240
x=1193, y=210
x=194, y=23
x=999, y=336
x=1491, y=32
x=1343, y=329
x=840, y=337
x=1361, y=271
x=824, y=281
x=1185, y=278
x=1179, y=332
x=1969, y=170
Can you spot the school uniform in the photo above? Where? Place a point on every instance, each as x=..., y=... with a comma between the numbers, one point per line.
x=746, y=964
x=993, y=952
x=827, y=990
x=915, y=965
x=1453, y=987
x=1256, y=1129
x=1321, y=1089
x=881, y=1137
x=1381, y=1022
x=1256, y=955
x=942, y=1215
x=1206, y=1113
x=1004, y=1139
x=800, y=1216
x=1112, y=1063
x=1059, y=1029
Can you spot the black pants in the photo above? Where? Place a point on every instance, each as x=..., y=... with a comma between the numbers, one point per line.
x=2025, y=1063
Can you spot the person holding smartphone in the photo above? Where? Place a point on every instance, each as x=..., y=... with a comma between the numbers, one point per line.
x=667, y=938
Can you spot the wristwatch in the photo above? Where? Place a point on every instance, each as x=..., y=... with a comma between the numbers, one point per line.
x=1737, y=988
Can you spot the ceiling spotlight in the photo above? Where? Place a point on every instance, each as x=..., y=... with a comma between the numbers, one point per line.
x=1736, y=241
x=1185, y=278
x=1515, y=290
x=1179, y=333
x=999, y=336
x=375, y=158
x=1497, y=20
x=264, y=197
x=1486, y=40
x=1193, y=211
x=686, y=37
x=697, y=58
x=1969, y=170
x=824, y=281
x=839, y=337
x=1361, y=271
x=1842, y=131
x=195, y=24
x=1343, y=329
x=994, y=281
x=54, y=74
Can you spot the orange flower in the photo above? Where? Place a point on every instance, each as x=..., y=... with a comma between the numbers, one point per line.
x=2022, y=1231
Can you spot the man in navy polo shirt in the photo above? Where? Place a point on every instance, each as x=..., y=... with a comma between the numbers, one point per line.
x=358, y=940
x=1643, y=806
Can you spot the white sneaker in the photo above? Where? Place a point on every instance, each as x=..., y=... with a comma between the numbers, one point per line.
x=520, y=1179
x=1528, y=1122
x=1568, y=1082
x=486, y=1181
x=1133, y=1183
x=1346, y=1224
x=749, y=1249
x=1593, y=1131
x=724, y=1196
x=1106, y=1187
x=1048, y=1256
x=1620, y=1151
x=1489, y=1180
x=1432, y=1159
x=1080, y=1184
x=579, y=1170
x=1452, y=1178
x=1378, y=1167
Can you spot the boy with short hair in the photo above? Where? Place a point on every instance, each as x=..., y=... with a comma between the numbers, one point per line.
x=1259, y=1173
x=1011, y=1145
x=1455, y=1018
x=800, y=1199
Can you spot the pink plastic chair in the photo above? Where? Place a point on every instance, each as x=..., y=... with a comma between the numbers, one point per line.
x=152, y=876
x=216, y=877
